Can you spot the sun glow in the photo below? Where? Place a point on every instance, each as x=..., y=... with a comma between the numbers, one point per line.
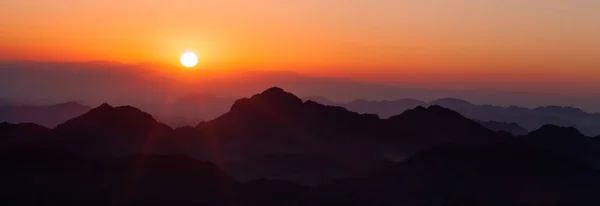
x=189, y=59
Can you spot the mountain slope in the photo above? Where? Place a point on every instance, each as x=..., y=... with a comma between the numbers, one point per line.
x=112, y=130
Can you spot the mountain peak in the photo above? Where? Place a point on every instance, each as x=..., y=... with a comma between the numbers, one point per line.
x=104, y=106
x=431, y=111
x=451, y=102
x=123, y=117
x=276, y=93
x=553, y=130
x=273, y=98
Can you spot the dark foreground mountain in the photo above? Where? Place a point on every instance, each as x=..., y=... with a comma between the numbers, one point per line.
x=502, y=174
x=49, y=178
x=511, y=172
x=12, y=135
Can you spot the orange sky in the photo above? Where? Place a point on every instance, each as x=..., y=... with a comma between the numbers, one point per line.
x=388, y=41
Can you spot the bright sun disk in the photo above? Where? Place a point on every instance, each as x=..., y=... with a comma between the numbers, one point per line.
x=189, y=59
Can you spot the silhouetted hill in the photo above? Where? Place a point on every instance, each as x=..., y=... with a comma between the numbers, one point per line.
x=48, y=116
x=566, y=141
x=450, y=128
x=512, y=128
x=107, y=129
x=12, y=135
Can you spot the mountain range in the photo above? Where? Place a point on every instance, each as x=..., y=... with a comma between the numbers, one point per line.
x=195, y=107
x=310, y=154
x=495, y=117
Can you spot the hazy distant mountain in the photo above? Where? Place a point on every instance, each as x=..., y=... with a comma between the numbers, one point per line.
x=497, y=118
x=48, y=116
x=193, y=108
x=512, y=128
x=320, y=99
x=384, y=109
x=530, y=119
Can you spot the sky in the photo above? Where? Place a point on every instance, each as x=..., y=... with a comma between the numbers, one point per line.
x=511, y=45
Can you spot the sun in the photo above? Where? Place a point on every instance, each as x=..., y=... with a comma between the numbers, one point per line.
x=189, y=59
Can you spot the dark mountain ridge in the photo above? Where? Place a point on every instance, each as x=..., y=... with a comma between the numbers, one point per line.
x=529, y=119
x=273, y=122
x=111, y=158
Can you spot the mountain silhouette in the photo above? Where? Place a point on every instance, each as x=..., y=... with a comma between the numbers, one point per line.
x=279, y=116
x=48, y=116
x=17, y=135
x=268, y=147
x=107, y=129
x=277, y=123
x=530, y=119
x=274, y=123
x=489, y=115
x=567, y=142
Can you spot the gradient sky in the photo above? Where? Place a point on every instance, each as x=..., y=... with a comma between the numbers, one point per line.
x=511, y=45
